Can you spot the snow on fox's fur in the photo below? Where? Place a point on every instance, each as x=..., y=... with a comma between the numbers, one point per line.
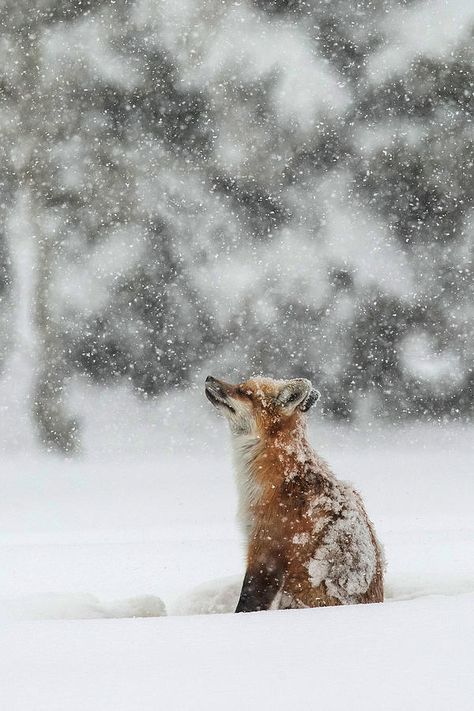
x=310, y=542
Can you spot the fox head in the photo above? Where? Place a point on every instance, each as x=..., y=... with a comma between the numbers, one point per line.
x=261, y=405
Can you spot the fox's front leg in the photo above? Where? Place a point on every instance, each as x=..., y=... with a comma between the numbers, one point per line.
x=263, y=579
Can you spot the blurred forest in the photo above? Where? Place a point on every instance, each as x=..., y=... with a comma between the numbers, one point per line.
x=276, y=186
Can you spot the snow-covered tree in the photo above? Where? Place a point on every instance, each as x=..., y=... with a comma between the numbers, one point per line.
x=274, y=186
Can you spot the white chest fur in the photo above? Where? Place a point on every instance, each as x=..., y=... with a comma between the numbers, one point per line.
x=245, y=449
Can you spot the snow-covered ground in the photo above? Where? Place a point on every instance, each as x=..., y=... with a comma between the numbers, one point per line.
x=147, y=514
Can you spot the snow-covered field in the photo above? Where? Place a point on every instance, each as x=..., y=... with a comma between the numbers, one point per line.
x=147, y=514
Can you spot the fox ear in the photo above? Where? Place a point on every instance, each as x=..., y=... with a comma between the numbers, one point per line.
x=298, y=393
x=309, y=401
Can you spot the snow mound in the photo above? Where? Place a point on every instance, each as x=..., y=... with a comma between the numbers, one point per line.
x=214, y=597
x=57, y=606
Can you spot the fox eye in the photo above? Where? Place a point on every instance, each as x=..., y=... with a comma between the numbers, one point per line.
x=244, y=393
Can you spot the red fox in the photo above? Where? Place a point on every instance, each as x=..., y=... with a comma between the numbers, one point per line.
x=310, y=542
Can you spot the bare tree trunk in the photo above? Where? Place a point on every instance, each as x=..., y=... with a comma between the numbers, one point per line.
x=56, y=428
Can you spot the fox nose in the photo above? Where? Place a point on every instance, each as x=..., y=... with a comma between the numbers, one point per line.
x=213, y=384
x=216, y=386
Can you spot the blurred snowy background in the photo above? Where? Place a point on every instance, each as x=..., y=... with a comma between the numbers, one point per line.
x=195, y=186
x=270, y=186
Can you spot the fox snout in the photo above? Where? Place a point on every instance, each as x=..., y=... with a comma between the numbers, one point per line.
x=214, y=385
x=217, y=391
